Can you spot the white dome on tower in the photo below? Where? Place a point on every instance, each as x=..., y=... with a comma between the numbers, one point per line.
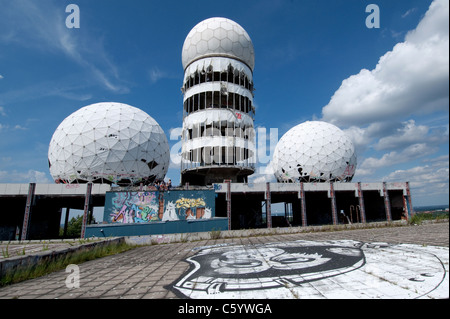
x=108, y=142
x=314, y=151
x=218, y=37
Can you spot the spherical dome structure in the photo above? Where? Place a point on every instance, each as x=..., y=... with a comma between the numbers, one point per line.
x=314, y=151
x=218, y=37
x=109, y=142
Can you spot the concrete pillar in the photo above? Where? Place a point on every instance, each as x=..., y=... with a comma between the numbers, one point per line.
x=409, y=211
x=387, y=204
x=303, y=204
x=268, y=206
x=27, y=215
x=228, y=200
x=333, y=204
x=66, y=221
x=87, y=202
x=361, y=204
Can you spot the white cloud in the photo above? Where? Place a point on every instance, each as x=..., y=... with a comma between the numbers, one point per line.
x=371, y=164
x=363, y=137
x=156, y=74
x=32, y=176
x=410, y=11
x=429, y=183
x=40, y=26
x=1, y=77
x=413, y=78
x=20, y=127
x=263, y=174
x=383, y=110
x=409, y=134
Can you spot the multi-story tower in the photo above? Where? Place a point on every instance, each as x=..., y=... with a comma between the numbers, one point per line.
x=218, y=112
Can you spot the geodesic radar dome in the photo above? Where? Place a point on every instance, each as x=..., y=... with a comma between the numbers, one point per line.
x=218, y=37
x=111, y=143
x=314, y=151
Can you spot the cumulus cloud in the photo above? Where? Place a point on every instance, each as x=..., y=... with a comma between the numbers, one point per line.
x=31, y=176
x=397, y=113
x=409, y=134
x=428, y=182
x=363, y=137
x=413, y=78
x=263, y=174
x=371, y=164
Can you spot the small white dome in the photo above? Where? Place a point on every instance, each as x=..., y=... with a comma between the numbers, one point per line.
x=111, y=142
x=314, y=151
x=218, y=37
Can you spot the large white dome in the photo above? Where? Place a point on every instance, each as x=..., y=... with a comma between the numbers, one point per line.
x=218, y=37
x=314, y=151
x=109, y=142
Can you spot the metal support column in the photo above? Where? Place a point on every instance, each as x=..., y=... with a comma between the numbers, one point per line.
x=387, y=204
x=29, y=204
x=268, y=206
x=87, y=204
x=361, y=204
x=333, y=204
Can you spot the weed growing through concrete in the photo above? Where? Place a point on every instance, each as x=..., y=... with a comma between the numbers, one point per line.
x=5, y=252
x=51, y=264
x=215, y=234
x=419, y=218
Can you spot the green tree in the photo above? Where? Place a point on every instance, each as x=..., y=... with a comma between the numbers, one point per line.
x=74, y=227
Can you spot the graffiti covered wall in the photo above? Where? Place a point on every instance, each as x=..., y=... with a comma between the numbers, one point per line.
x=153, y=206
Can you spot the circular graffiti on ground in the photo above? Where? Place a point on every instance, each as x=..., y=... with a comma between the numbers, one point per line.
x=316, y=269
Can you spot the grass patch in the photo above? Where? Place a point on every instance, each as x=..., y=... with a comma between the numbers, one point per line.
x=54, y=263
x=419, y=218
x=215, y=234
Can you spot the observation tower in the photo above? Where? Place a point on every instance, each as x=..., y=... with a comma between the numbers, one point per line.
x=218, y=139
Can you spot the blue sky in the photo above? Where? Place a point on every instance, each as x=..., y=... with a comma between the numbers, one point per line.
x=386, y=87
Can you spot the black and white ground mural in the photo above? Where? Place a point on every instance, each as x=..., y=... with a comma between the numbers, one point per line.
x=316, y=269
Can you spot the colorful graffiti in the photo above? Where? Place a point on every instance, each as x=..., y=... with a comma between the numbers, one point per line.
x=145, y=207
x=132, y=207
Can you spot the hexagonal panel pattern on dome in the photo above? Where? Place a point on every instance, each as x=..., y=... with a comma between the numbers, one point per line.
x=109, y=142
x=314, y=151
x=221, y=37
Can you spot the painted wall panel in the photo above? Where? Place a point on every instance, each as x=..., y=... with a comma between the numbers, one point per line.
x=154, y=206
x=156, y=228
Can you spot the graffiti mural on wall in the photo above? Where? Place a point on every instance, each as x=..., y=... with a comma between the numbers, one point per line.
x=181, y=205
x=144, y=207
x=132, y=207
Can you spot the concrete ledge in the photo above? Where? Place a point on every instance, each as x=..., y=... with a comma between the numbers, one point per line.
x=11, y=264
x=188, y=237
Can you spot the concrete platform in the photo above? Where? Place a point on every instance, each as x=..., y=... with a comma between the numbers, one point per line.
x=403, y=262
